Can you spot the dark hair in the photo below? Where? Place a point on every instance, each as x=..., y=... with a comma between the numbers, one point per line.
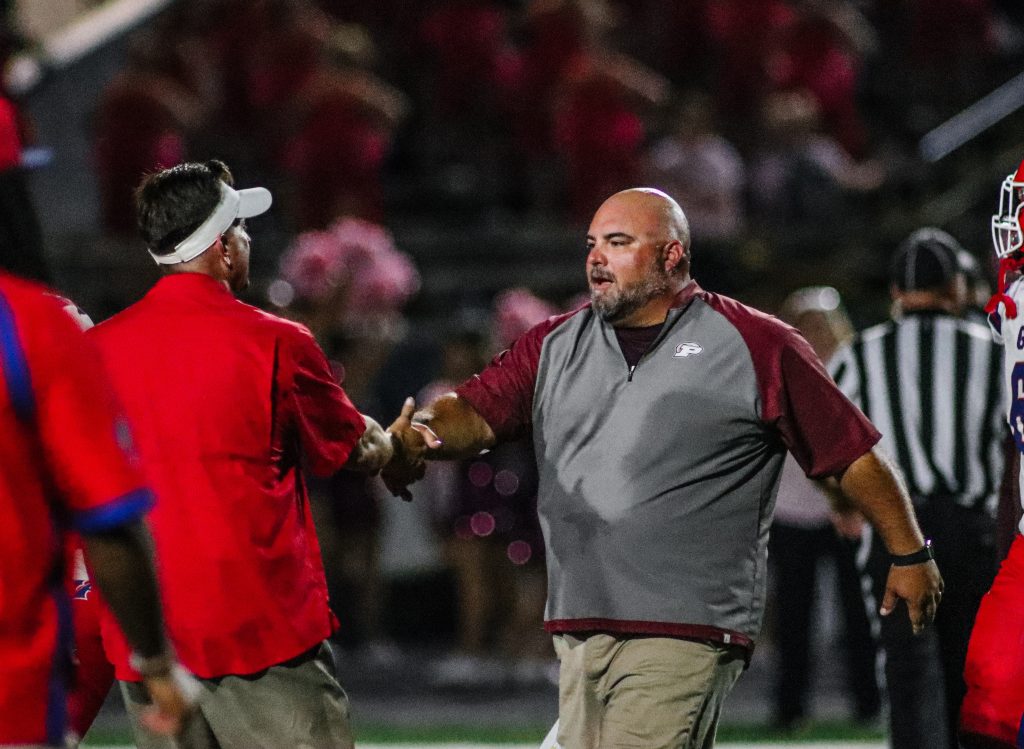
x=172, y=204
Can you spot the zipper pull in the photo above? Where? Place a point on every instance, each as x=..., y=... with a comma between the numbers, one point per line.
x=631, y=370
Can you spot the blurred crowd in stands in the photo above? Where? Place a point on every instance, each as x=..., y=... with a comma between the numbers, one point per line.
x=751, y=112
x=787, y=130
x=767, y=119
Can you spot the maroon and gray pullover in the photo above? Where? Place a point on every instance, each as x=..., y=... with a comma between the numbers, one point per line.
x=657, y=484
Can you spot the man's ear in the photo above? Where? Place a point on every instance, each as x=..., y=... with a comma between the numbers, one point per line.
x=222, y=248
x=675, y=255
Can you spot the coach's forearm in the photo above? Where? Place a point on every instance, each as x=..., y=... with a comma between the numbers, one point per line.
x=873, y=486
x=121, y=565
x=462, y=431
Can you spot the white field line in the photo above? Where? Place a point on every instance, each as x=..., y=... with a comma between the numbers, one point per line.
x=723, y=745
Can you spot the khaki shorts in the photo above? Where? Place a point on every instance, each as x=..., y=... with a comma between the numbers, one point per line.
x=297, y=703
x=642, y=692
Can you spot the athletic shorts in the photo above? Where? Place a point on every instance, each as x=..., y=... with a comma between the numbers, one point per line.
x=994, y=705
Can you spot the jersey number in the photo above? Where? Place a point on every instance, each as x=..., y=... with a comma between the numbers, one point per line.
x=1017, y=405
x=1020, y=338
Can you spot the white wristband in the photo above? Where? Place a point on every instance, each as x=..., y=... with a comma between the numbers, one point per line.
x=154, y=665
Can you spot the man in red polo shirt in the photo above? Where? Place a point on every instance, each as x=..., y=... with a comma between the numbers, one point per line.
x=65, y=462
x=230, y=405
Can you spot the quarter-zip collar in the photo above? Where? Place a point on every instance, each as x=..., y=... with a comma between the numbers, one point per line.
x=679, y=306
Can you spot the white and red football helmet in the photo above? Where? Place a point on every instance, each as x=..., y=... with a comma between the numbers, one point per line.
x=1008, y=239
x=1007, y=230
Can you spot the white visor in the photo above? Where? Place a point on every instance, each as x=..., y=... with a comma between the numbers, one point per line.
x=233, y=204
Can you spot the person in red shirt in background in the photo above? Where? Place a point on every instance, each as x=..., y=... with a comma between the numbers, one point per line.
x=143, y=119
x=581, y=103
x=67, y=464
x=230, y=405
x=820, y=53
x=339, y=126
x=21, y=238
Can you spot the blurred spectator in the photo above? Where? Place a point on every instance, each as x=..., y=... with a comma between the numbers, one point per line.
x=582, y=101
x=744, y=34
x=142, y=123
x=475, y=65
x=951, y=41
x=802, y=536
x=286, y=52
x=349, y=284
x=819, y=52
x=672, y=37
x=469, y=86
x=557, y=32
x=702, y=169
x=600, y=128
x=979, y=290
x=21, y=238
x=341, y=123
x=487, y=510
x=799, y=175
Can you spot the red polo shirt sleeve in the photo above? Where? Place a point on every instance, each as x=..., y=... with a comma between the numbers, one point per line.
x=328, y=426
x=84, y=437
x=503, y=392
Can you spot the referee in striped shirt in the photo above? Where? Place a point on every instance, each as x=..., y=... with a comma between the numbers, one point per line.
x=930, y=382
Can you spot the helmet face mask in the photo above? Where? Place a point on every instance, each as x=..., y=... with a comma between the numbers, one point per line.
x=1007, y=230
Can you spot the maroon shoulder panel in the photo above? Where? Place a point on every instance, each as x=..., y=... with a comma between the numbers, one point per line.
x=817, y=423
x=503, y=392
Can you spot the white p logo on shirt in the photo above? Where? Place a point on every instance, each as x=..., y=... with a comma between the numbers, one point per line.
x=685, y=349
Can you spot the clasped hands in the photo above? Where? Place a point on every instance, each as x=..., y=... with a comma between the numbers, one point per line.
x=410, y=441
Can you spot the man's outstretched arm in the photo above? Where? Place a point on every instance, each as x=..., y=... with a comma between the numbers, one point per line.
x=448, y=429
x=871, y=483
x=459, y=431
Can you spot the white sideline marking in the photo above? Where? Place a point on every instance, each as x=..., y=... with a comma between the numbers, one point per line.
x=723, y=745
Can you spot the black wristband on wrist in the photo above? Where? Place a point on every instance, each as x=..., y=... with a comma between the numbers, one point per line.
x=920, y=556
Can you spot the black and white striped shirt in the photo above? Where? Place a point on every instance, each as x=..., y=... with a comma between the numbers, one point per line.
x=932, y=385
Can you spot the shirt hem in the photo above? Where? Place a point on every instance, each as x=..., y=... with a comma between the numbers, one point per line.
x=123, y=672
x=702, y=632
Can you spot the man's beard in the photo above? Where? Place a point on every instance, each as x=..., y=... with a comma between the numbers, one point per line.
x=614, y=305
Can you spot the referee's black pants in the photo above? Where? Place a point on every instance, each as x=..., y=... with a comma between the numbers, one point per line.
x=924, y=673
x=795, y=553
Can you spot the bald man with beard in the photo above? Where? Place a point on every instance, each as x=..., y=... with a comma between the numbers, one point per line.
x=661, y=415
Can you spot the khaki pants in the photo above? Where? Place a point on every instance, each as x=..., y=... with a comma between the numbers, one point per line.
x=642, y=692
x=295, y=704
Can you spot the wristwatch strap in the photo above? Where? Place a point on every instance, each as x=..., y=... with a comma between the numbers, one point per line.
x=922, y=555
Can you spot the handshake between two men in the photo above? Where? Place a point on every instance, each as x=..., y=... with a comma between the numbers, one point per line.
x=399, y=453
